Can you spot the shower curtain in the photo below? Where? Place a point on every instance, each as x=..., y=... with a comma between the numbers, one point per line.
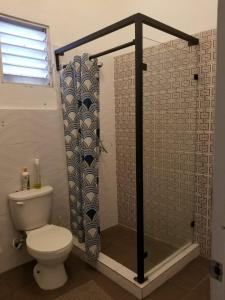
x=80, y=89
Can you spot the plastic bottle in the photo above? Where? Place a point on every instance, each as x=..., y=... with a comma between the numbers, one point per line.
x=37, y=175
x=25, y=178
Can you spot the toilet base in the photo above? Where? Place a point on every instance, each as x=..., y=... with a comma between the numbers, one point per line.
x=50, y=277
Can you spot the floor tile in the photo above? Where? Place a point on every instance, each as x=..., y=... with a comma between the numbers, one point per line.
x=168, y=291
x=111, y=288
x=18, y=284
x=189, y=277
x=201, y=262
x=4, y=289
x=201, y=292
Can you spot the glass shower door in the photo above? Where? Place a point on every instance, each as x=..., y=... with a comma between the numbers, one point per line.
x=169, y=149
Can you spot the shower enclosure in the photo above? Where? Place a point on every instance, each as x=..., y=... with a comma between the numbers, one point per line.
x=158, y=144
x=169, y=142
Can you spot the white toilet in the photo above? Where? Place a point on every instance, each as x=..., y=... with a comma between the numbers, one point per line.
x=49, y=244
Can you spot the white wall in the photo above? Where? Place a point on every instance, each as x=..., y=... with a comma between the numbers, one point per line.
x=19, y=141
x=74, y=19
x=24, y=135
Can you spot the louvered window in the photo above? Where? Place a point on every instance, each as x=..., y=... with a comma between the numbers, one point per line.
x=24, y=52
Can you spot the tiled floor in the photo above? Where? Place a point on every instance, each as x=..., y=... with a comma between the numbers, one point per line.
x=119, y=243
x=190, y=284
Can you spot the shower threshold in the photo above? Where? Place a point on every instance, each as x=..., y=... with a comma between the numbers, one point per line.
x=155, y=277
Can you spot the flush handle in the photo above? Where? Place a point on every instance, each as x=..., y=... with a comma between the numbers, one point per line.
x=20, y=203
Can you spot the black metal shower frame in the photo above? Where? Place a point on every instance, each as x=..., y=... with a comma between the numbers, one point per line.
x=138, y=20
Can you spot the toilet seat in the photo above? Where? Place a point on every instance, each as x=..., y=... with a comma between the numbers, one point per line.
x=49, y=240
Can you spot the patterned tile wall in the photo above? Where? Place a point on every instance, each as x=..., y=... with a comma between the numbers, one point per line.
x=178, y=134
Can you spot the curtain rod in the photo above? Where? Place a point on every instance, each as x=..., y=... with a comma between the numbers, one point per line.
x=120, y=47
x=123, y=46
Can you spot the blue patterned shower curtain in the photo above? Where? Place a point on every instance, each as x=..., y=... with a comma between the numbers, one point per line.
x=80, y=90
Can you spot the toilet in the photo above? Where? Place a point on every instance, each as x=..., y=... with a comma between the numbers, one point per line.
x=49, y=244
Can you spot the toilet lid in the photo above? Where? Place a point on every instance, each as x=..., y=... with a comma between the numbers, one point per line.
x=49, y=238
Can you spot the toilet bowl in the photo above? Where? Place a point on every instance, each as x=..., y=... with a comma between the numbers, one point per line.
x=50, y=245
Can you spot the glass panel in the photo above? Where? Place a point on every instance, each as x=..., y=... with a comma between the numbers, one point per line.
x=169, y=149
x=26, y=80
x=28, y=72
x=117, y=174
x=22, y=31
x=23, y=52
x=22, y=42
x=24, y=62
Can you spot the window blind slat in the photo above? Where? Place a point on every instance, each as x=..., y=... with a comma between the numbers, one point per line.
x=20, y=51
x=26, y=80
x=24, y=62
x=22, y=42
x=6, y=27
x=22, y=71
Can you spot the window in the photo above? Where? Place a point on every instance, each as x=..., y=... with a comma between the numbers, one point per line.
x=24, y=52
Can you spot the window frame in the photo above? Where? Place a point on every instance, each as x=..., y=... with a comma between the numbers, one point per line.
x=32, y=25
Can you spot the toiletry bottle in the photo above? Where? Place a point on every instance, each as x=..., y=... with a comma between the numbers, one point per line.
x=25, y=178
x=37, y=175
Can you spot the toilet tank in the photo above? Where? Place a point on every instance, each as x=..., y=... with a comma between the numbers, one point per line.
x=31, y=209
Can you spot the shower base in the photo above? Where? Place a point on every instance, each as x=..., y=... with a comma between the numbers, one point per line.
x=119, y=243
x=121, y=269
